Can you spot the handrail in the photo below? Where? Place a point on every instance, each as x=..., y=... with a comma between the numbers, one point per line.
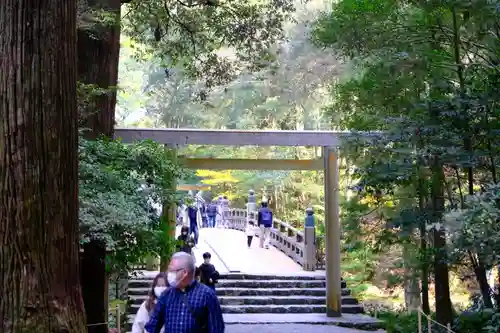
x=429, y=323
x=287, y=225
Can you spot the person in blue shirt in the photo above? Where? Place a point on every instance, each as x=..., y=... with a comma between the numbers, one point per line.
x=187, y=306
x=265, y=222
x=212, y=214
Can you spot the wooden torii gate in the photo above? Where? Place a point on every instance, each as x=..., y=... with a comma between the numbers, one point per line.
x=329, y=140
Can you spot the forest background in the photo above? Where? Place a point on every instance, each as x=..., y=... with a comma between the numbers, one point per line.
x=420, y=201
x=332, y=71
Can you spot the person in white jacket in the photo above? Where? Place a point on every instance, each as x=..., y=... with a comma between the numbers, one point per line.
x=250, y=231
x=147, y=307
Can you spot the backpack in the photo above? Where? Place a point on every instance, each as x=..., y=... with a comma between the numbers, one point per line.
x=267, y=217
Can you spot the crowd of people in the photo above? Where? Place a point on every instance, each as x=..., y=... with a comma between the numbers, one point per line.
x=199, y=214
x=183, y=300
x=216, y=214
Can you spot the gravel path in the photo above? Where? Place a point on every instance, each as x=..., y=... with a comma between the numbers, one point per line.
x=290, y=328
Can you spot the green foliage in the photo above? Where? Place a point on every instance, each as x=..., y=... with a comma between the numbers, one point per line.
x=422, y=73
x=475, y=227
x=289, y=95
x=192, y=34
x=467, y=322
x=400, y=75
x=121, y=188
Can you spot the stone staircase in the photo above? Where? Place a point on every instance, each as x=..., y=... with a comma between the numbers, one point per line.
x=241, y=293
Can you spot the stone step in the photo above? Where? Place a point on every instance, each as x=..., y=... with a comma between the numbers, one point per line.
x=243, y=276
x=275, y=292
x=305, y=308
x=274, y=283
x=280, y=300
x=359, y=322
x=143, y=283
x=264, y=300
x=274, y=308
x=142, y=292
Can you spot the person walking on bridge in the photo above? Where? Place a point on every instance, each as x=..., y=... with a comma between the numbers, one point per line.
x=265, y=222
x=193, y=223
x=212, y=214
x=188, y=306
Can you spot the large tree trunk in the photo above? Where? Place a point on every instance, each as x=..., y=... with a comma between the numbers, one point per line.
x=424, y=256
x=98, y=55
x=444, y=311
x=411, y=278
x=39, y=270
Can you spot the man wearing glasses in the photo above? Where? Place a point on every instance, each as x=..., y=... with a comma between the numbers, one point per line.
x=188, y=306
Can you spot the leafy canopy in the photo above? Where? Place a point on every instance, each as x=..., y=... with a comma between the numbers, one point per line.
x=212, y=39
x=121, y=189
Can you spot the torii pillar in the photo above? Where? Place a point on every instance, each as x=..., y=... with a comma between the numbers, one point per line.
x=332, y=233
x=169, y=217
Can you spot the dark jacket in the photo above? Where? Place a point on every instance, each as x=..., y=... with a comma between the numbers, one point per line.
x=193, y=216
x=207, y=272
x=265, y=212
x=185, y=244
x=212, y=210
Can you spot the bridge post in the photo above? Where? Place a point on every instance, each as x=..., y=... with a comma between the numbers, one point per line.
x=332, y=233
x=251, y=206
x=309, y=241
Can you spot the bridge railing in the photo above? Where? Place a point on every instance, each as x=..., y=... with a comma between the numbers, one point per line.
x=238, y=219
x=283, y=236
x=289, y=240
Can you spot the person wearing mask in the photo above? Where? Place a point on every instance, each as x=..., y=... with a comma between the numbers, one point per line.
x=265, y=222
x=185, y=242
x=193, y=223
x=208, y=273
x=147, y=307
x=188, y=306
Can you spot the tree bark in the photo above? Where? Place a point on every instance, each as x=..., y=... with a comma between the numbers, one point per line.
x=444, y=311
x=39, y=270
x=98, y=55
x=424, y=261
x=411, y=278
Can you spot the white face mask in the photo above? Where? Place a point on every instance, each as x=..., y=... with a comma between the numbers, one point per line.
x=172, y=279
x=159, y=291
